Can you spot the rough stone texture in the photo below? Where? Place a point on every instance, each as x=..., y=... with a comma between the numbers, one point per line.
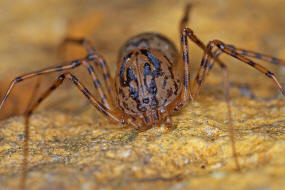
x=74, y=147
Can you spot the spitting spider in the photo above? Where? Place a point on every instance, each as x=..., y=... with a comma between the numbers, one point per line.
x=148, y=86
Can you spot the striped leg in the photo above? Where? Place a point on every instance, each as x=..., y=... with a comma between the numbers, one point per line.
x=246, y=53
x=232, y=52
x=19, y=79
x=72, y=65
x=206, y=64
x=99, y=63
x=222, y=47
x=115, y=116
x=249, y=53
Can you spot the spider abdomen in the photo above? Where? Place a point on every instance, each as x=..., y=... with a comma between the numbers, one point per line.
x=153, y=41
x=146, y=81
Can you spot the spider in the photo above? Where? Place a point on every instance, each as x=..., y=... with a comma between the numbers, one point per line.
x=149, y=84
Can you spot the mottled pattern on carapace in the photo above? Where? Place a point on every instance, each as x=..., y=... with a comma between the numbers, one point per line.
x=146, y=81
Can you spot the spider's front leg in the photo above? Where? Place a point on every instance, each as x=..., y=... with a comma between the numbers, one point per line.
x=118, y=117
x=99, y=63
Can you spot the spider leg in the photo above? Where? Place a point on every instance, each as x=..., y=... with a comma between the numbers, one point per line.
x=116, y=116
x=64, y=67
x=34, y=93
x=97, y=104
x=221, y=46
x=200, y=77
x=206, y=65
x=224, y=48
x=99, y=63
x=185, y=18
x=246, y=53
x=256, y=55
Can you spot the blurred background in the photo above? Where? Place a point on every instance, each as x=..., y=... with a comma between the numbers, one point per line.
x=86, y=152
x=31, y=32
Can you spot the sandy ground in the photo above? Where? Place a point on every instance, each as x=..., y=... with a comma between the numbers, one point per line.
x=73, y=146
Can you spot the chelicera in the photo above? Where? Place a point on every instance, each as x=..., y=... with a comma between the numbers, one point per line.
x=151, y=81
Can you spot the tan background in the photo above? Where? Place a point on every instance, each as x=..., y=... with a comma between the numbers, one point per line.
x=73, y=147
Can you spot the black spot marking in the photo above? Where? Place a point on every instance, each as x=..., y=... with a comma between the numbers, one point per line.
x=168, y=59
x=251, y=63
x=269, y=74
x=147, y=119
x=156, y=62
x=139, y=42
x=169, y=92
x=145, y=100
x=103, y=99
x=155, y=116
x=96, y=83
x=75, y=63
x=154, y=102
x=243, y=52
x=274, y=60
x=176, y=87
x=61, y=77
x=75, y=80
x=234, y=54
x=210, y=66
x=86, y=93
x=18, y=79
x=130, y=75
x=128, y=56
x=103, y=111
x=106, y=76
x=217, y=53
x=231, y=47
x=171, y=73
x=126, y=106
x=90, y=57
x=59, y=68
x=141, y=107
x=221, y=46
x=90, y=69
x=102, y=63
x=204, y=63
x=199, y=82
x=257, y=55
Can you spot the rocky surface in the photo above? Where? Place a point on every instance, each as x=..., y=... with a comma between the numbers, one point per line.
x=72, y=146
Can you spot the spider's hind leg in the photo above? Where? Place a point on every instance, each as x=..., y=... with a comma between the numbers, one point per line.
x=232, y=52
x=99, y=63
x=118, y=117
